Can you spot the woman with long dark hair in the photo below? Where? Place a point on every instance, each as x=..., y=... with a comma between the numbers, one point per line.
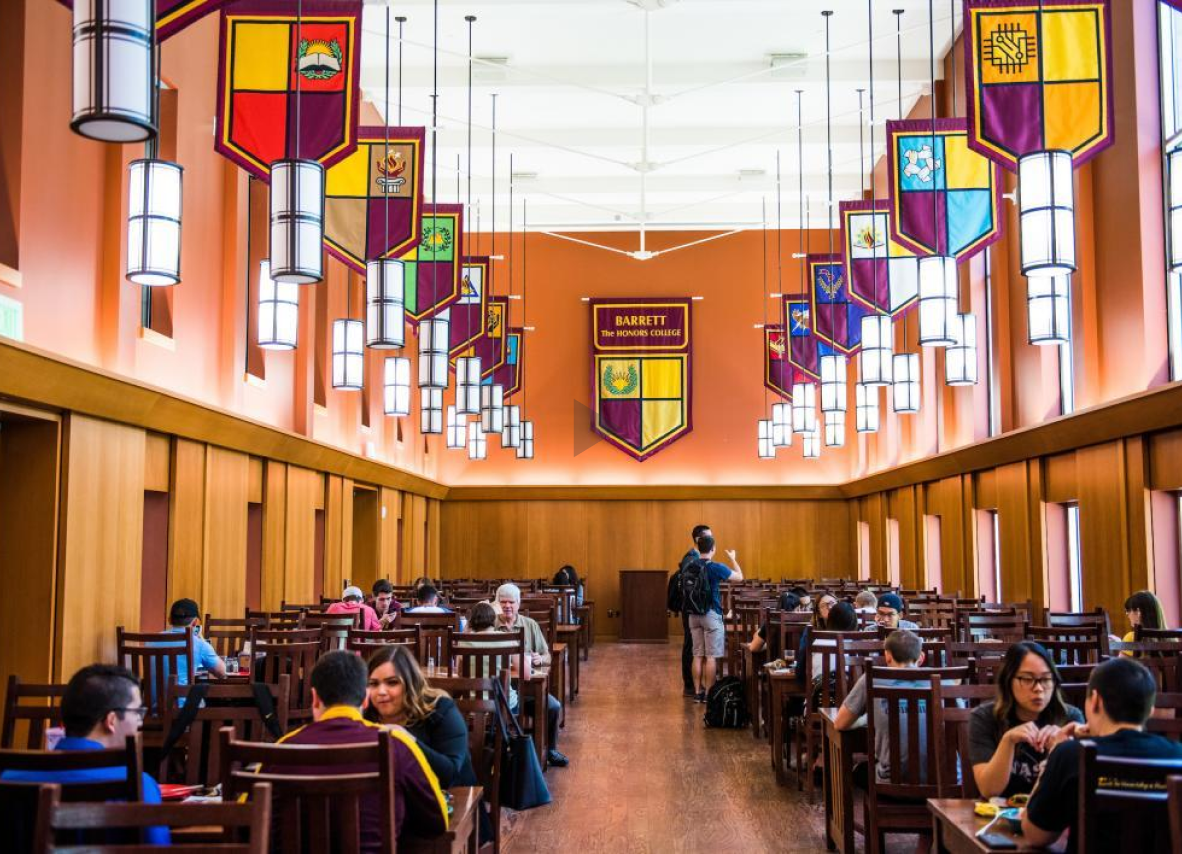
x=1144, y=609
x=1010, y=738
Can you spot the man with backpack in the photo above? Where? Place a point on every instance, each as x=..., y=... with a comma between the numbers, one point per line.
x=674, y=604
x=702, y=601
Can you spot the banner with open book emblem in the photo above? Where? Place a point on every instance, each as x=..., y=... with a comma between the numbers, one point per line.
x=642, y=378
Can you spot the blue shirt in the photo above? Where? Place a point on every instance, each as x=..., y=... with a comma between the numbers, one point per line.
x=716, y=573
x=155, y=835
x=207, y=656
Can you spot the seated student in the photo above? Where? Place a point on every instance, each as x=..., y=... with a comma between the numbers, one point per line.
x=484, y=618
x=888, y=614
x=1011, y=737
x=102, y=706
x=903, y=650
x=353, y=602
x=1143, y=609
x=338, y=697
x=841, y=618
x=1120, y=698
x=385, y=606
x=427, y=602
x=806, y=601
x=866, y=602
x=789, y=603
x=567, y=577
x=181, y=615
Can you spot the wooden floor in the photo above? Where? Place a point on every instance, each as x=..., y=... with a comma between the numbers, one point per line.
x=647, y=776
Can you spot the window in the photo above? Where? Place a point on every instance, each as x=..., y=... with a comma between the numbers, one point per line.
x=996, y=554
x=1170, y=71
x=1074, y=564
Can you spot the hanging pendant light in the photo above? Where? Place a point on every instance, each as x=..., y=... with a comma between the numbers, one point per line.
x=468, y=385
x=511, y=429
x=1046, y=213
x=1048, y=309
x=477, y=443
x=492, y=408
x=811, y=446
x=396, y=386
x=765, y=448
x=1174, y=167
x=960, y=359
x=782, y=425
x=114, y=73
x=833, y=373
x=834, y=429
x=297, y=221
x=875, y=358
x=457, y=430
x=385, y=311
x=279, y=311
x=905, y=390
x=154, y=222
x=866, y=408
x=348, y=354
x=804, y=408
x=938, y=286
x=525, y=451
x=431, y=410
x=434, y=341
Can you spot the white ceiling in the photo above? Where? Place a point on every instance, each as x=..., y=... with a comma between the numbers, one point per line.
x=570, y=103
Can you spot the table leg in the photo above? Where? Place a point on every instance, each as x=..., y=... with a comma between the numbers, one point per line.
x=839, y=794
x=777, y=732
x=574, y=668
x=537, y=689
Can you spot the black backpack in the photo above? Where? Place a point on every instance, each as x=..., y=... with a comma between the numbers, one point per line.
x=673, y=594
x=726, y=705
x=695, y=588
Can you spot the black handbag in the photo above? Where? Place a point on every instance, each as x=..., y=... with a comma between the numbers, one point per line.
x=522, y=785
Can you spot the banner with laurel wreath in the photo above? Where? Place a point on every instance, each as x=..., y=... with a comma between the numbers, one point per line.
x=642, y=372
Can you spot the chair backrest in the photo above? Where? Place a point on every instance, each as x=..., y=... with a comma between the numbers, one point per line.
x=292, y=652
x=785, y=629
x=959, y=703
x=334, y=628
x=938, y=614
x=226, y=705
x=1063, y=619
x=40, y=705
x=1133, y=798
x=1080, y=644
x=1174, y=794
x=284, y=605
x=1166, y=720
x=434, y=629
x=366, y=642
x=1174, y=635
x=154, y=657
x=914, y=725
x=975, y=626
x=545, y=614
x=277, y=619
x=477, y=702
x=827, y=674
x=129, y=757
x=229, y=636
x=246, y=827
x=316, y=809
x=480, y=655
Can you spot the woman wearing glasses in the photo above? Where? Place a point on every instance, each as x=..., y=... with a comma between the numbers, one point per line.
x=1010, y=738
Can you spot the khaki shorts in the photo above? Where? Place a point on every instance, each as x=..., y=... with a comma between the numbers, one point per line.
x=708, y=634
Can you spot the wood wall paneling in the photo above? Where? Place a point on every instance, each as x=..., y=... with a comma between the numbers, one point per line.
x=186, y=534
x=274, y=564
x=225, y=532
x=300, y=532
x=157, y=462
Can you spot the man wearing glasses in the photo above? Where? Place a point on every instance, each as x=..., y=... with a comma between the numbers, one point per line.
x=102, y=706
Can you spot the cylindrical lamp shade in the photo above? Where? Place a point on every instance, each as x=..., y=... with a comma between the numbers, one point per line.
x=1046, y=213
x=477, y=443
x=833, y=370
x=834, y=429
x=492, y=408
x=877, y=349
x=960, y=359
x=764, y=447
x=348, y=354
x=1048, y=309
x=905, y=391
x=297, y=221
x=811, y=446
x=468, y=385
x=433, y=346
x=804, y=408
x=457, y=430
x=782, y=425
x=396, y=388
x=525, y=451
x=866, y=408
x=113, y=70
x=431, y=411
x=154, y=222
x=1174, y=165
x=279, y=311
x=385, y=313
x=938, y=288
x=511, y=429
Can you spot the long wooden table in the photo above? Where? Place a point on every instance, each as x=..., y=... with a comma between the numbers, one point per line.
x=840, y=747
x=569, y=633
x=537, y=687
x=463, y=832
x=955, y=826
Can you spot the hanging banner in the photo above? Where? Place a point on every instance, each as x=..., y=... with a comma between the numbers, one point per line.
x=509, y=374
x=469, y=315
x=945, y=197
x=882, y=275
x=172, y=16
x=431, y=269
x=836, y=319
x=1036, y=83
x=373, y=199
x=266, y=57
x=777, y=370
x=642, y=385
x=803, y=346
x=490, y=345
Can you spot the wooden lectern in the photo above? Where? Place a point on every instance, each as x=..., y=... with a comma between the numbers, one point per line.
x=642, y=606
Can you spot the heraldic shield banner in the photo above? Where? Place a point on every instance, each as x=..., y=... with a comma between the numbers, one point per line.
x=777, y=370
x=431, y=270
x=469, y=315
x=640, y=355
x=1038, y=77
x=490, y=346
x=881, y=273
x=837, y=319
x=267, y=55
x=373, y=199
x=172, y=16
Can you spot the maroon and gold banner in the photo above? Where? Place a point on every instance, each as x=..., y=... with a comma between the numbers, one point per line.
x=265, y=57
x=491, y=345
x=510, y=374
x=172, y=16
x=1038, y=77
x=641, y=356
x=469, y=314
x=777, y=369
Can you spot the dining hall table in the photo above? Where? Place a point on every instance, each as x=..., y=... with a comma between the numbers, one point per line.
x=955, y=826
x=782, y=684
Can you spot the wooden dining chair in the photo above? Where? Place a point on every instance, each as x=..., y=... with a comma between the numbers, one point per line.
x=959, y=703
x=290, y=652
x=1174, y=797
x=480, y=655
x=154, y=657
x=228, y=635
x=196, y=759
x=1080, y=644
x=1166, y=719
x=365, y=643
x=38, y=704
x=1008, y=628
x=245, y=828
x=277, y=619
x=1065, y=619
x=284, y=605
x=1138, y=805
x=433, y=629
x=334, y=628
x=316, y=809
x=826, y=684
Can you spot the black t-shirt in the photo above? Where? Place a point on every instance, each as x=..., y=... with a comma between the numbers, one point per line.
x=985, y=734
x=1054, y=804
